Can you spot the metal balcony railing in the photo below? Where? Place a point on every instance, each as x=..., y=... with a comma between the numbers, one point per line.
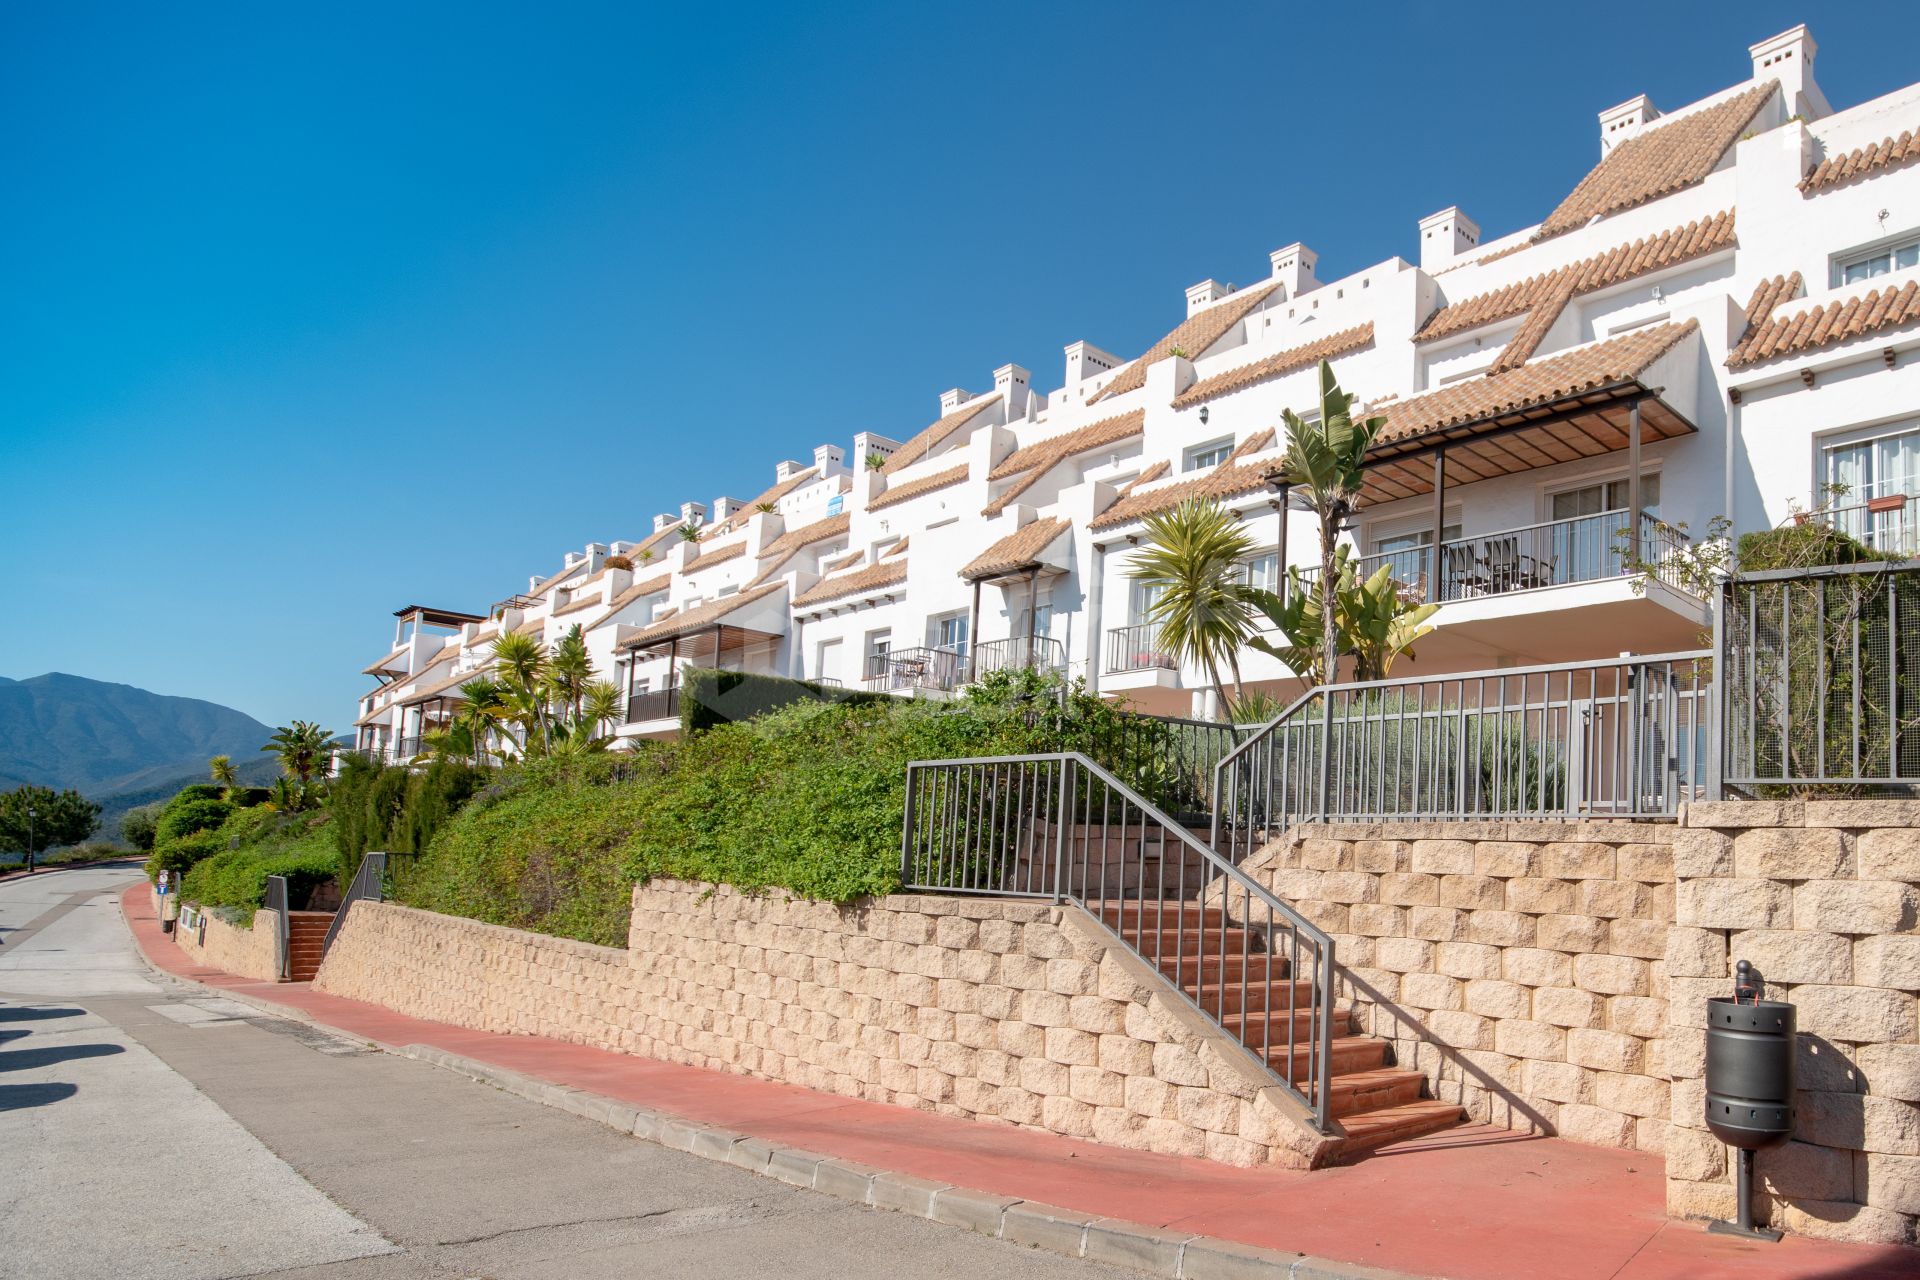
x=656, y=704
x=1020, y=653
x=903, y=670
x=1554, y=553
x=1137, y=648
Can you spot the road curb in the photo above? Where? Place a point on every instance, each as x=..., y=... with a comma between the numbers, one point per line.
x=1173, y=1254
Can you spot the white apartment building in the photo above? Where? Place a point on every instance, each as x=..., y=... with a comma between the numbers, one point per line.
x=1720, y=319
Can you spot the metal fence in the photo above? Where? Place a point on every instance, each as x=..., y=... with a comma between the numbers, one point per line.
x=369, y=884
x=275, y=901
x=1821, y=672
x=1020, y=653
x=1628, y=738
x=1169, y=760
x=1062, y=828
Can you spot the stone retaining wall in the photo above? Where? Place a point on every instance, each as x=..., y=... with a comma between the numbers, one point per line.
x=1005, y=1012
x=252, y=952
x=1521, y=966
x=1824, y=899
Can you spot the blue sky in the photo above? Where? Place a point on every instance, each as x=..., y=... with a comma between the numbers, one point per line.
x=315, y=311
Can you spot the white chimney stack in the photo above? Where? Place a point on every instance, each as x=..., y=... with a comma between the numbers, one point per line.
x=726, y=507
x=952, y=398
x=693, y=513
x=1293, y=268
x=1446, y=235
x=1014, y=384
x=1788, y=58
x=1084, y=361
x=1617, y=124
x=783, y=471
x=1206, y=293
x=831, y=459
x=663, y=521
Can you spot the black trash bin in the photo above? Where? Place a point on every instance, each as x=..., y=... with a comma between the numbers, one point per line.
x=1750, y=1050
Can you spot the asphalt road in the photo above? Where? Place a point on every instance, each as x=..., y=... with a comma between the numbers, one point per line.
x=151, y=1129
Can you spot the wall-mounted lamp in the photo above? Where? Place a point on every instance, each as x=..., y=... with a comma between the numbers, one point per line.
x=1204, y=415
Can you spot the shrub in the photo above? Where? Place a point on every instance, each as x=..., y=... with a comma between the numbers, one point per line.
x=1798, y=546
x=809, y=798
x=393, y=808
x=709, y=698
x=137, y=826
x=236, y=879
x=181, y=853
x=186, y=814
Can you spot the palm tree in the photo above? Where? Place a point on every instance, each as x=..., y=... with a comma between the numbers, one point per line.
x=224, y=775
x=522, y=668
x=483, y=706
x=569, y=670
x=299, y=747
x=1325, y=460
x=1204, y=606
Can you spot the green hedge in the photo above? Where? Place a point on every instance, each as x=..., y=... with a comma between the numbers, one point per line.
x=393, y=808
x=255, y=844
x=709, y=698
x=186, y=814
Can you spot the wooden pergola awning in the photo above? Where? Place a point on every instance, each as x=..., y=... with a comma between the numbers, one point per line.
x=1577, y=405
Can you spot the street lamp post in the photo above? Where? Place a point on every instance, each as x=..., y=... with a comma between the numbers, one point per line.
x=30, y=816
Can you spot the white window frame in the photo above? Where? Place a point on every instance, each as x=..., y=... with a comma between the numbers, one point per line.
x=938, y=625
x=1891, y=247
x=1191, y=457
x=1569, y=484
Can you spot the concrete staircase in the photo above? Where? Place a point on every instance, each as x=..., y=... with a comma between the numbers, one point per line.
x=306, y=937
x=1373, y=1102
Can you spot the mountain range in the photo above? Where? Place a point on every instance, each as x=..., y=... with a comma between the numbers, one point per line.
x=116, y=744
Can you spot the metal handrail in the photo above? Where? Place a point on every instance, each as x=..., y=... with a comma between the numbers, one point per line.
x=1626, y=737
x=275, y=900
x=369, y=885
x=1060, y=827
x=1137, y=648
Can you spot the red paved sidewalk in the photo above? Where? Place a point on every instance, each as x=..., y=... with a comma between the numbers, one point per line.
x=1473, y=1204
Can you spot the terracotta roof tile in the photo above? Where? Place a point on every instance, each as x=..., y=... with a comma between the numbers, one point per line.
x=1564, y=374
x=719, y=555
x=920, y=487
x=701, y=615
x=1663, y=158
x=1017, y=550
x=1812, y=328
x=1193, y=336
x=1601, y=271
x=1153, y=472
x=888, y=573
x=930, y=438
x=384, y=664
x=1228, y=480
x=1277, y=365
x=1041, y=456
x=1888, y=153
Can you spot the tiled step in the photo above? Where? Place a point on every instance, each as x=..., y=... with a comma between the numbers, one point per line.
x=1349, y=1054
x=1261, y=997
x=1364, y=1091
x=1279, y=1026
x=1172, y=938
x=1255, y=966
x=1372, y=1129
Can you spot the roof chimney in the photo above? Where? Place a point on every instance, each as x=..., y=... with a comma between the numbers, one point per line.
x=952, y=398
x=831, y=459
x=1206, y=293
x=1293, y=268
x=1013, y=384
x=1444, y=236
x=1788, y=58
x=787, y=470
x=693, y=513
x=1084, y=360
x=1617, y=124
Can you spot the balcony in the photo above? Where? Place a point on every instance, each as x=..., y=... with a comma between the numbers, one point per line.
x=1021, y=653
x=1555, y=553
x=656, y=704
x=1138, y=648
x=907, y=670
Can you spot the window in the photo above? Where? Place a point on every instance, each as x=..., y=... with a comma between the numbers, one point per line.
x=1141, y=601
x=1398, y=542
x=1263, y=571
x=835, y=504
x=826, y=660
x=1211, y=454
x=950, y=633
x=1594, y=499
x=1861, y=471
x=879, y=643
x=1865, y=264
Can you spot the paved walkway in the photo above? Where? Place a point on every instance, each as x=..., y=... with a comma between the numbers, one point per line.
x=1472, y=1204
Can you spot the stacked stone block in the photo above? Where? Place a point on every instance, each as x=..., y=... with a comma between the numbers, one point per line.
x=1823, y=897
x=1005, y=1012
x=246, y=952
x=1520, y=966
